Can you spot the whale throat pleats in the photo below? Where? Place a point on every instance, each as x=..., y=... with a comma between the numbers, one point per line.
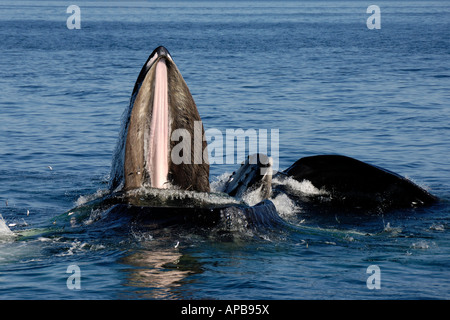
x=157, y=158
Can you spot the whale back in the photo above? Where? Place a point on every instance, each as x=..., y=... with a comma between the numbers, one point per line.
x=351, y=182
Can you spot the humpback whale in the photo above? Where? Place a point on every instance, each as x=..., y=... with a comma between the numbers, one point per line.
x=148, y=189
x=147, y=184
x=352, y=183
x=162, y=103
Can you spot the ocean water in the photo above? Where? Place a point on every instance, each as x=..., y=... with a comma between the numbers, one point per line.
x=311, y=69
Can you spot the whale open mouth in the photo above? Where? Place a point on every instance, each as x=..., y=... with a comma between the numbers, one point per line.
x=160, y=104
x=157, y=155
x=151, y=115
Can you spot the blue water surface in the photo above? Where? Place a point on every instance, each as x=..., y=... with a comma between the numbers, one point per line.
x=311, y=69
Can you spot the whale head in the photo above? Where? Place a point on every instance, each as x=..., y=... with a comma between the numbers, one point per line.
x=160, y=105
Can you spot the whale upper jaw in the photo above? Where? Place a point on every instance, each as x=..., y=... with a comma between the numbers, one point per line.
x=160, y=103
x=159, y=53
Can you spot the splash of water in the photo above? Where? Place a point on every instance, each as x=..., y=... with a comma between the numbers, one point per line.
x=5, y=233
x=214, y=198
x=285, y=206
x=87, y=198
x=305, y=187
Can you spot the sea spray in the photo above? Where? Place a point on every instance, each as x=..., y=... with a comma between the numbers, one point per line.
x=5, y=232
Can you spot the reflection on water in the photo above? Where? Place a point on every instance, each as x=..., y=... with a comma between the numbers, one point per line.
x=157, y=274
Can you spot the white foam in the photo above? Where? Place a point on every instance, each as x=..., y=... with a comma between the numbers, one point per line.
x=437, y=227
x=285, y=206
x=174, y=194
x=5, y=232
x=305, y=186
x=253, y=197
x=392, y=230
x=84, y=199
x=94, y=216
x=218, y=185
x=422, y=244
x=76, y=246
